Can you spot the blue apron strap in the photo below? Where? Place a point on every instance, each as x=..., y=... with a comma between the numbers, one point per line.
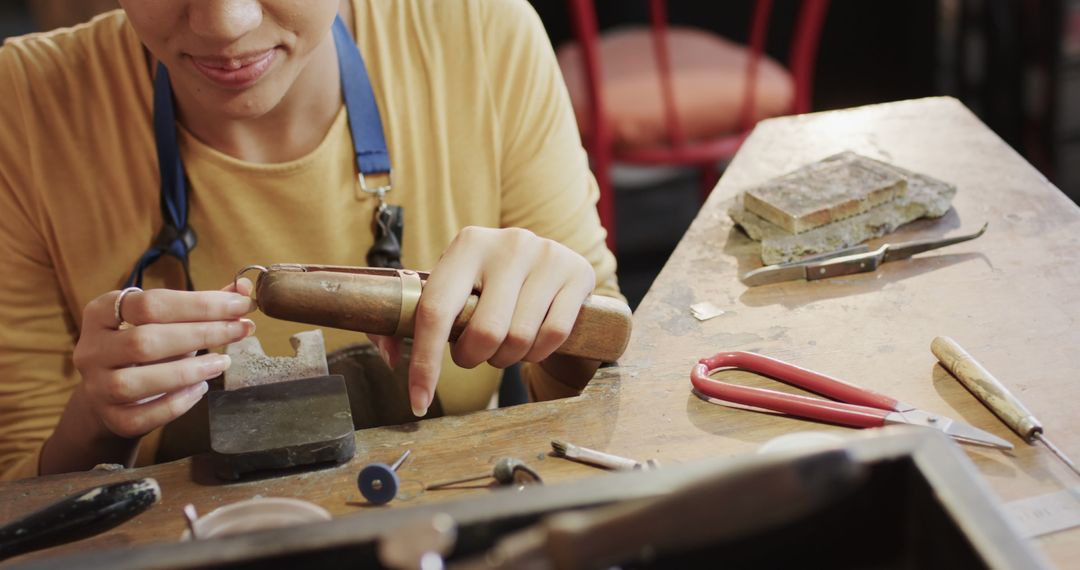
x=176, y=237
x=365, y=124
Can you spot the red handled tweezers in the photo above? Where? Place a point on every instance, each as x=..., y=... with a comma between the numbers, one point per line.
x=855, y=406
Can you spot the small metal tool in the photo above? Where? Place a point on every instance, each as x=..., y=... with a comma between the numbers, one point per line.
x=597, y=458
x=848, y=261
x=191, y=516
x=993, y=394
x=507, y=471
x=378, y=482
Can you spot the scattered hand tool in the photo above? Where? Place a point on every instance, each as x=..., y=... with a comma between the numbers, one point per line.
x=507, y=471
x=279, y=412
x=383, y=301
x=78, y=516
x=378, y=482
x=856, y=407
x=597, y=458
x=632, y=534
x=191, y=516
x=857, y=259
x=993, y=394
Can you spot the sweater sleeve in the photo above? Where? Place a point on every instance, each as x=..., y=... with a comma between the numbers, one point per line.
x=546, y=183
x=37, y=334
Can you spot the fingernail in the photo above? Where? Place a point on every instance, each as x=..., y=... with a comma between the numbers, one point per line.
x=195, y=391
x=215, y=365
x=242, y=326
x=418, y=395
x=241, y=305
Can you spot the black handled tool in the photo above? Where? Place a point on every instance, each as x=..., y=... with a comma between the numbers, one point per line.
x=77, y=516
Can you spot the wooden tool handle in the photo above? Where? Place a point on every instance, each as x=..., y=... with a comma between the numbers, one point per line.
x=986, y=388
x=373, y=304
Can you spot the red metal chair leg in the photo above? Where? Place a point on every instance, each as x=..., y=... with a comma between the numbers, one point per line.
x=601, y=165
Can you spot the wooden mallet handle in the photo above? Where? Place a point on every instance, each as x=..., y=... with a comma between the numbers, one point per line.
x=374, y=304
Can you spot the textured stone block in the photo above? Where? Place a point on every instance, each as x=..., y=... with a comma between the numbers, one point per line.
x=925, y=197
x=824, y=192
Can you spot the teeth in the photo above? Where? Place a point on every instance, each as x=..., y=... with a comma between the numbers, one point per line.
x=233, y=65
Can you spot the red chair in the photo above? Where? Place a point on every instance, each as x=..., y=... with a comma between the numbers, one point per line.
x=679, y=96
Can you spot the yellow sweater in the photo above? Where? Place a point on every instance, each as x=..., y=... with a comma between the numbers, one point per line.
x=480, y=132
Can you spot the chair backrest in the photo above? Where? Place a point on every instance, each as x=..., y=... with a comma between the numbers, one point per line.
x=801, y=61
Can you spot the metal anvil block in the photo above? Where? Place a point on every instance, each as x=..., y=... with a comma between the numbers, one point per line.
x=279, y=412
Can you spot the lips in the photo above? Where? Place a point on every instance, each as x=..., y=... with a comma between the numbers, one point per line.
x=237, y=72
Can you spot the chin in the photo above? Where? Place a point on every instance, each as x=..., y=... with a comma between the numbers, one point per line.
x=250, y=104
x=234, y=100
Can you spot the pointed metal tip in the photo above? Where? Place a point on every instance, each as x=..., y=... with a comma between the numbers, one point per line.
x=972, y=434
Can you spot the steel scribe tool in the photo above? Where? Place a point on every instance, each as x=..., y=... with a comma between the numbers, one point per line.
x=993, y=394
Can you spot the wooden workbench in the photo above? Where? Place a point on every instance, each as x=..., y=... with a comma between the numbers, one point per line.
x=1011, y=298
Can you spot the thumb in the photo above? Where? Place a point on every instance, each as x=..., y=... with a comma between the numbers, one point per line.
x=242, y=286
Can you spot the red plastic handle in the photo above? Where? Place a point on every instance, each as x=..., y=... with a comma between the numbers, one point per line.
x=800, y=377
x=791, y=404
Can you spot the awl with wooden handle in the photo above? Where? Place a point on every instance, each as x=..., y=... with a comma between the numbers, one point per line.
x=993, y=394
x=383, y=301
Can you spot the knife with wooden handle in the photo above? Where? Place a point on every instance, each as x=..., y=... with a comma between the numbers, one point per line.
x=383, y=301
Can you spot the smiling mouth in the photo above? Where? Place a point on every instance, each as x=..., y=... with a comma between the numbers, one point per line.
x=235, y=72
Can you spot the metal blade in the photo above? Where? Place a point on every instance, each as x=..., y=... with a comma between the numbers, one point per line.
x=774, y=274
x=953, y=428
x=960, y=430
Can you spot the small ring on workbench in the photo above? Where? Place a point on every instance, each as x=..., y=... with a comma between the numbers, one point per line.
x=118, y=312
x=411, y=287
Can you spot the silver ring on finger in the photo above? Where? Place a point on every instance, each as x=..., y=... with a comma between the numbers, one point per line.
x=118, y=312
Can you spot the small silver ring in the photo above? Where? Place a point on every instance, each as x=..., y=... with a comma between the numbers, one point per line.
x=121, y=324
x=239, y=274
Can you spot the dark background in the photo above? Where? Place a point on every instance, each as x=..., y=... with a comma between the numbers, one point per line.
x=1015, y=63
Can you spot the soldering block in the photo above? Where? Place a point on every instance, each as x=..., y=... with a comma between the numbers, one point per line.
x=280, y=425
x=833, y=189
x=925, y=197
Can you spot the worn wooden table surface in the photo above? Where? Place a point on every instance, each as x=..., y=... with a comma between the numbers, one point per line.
x=1011, y=298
